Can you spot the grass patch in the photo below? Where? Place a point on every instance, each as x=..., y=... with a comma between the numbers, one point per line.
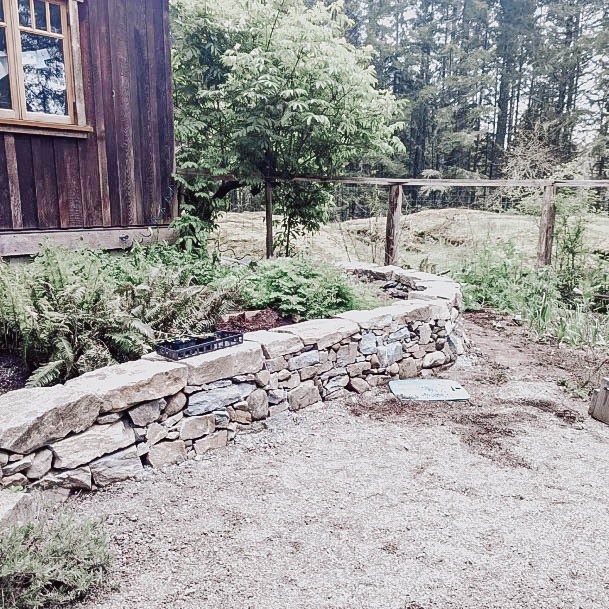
x=51, y=563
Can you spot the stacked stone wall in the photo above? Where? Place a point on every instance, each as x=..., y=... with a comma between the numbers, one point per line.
x=108, y=425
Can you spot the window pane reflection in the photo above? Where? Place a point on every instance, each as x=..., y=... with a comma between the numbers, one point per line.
x=55, y=13
x=5, y=87
x=25, y=18
x=40, y=13
x=45, y=74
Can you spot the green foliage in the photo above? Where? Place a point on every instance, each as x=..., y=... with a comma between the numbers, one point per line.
x=502, y=280
x=51, y=563
x=70, y=312
x=299, y=288
x=270, y=88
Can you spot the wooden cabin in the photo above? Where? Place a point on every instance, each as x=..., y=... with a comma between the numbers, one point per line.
x=86, y=123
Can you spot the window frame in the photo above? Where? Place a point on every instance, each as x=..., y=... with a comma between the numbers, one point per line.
x=19, y=115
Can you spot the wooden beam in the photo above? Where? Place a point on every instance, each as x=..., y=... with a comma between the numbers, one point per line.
x=14, y=190
x=25, y=243
x=546, y=228
x=79, y=94
x=394, y=214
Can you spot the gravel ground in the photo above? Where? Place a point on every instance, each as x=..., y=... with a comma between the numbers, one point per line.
x=500, y=503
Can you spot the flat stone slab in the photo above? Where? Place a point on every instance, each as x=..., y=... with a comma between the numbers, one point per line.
x=117, y=467
x=97, y=441
x=322, y=332
x=275, y=344
x=31, y=418
x=428, y=390
x=125, y=385
x=16, y=508
x=373, y=319
x=246, y=358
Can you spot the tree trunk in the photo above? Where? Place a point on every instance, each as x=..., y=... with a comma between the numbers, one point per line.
x=268, y=204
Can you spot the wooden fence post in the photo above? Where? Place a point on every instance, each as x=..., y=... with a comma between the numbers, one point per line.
x=546, y=228
x=394, y=214
x=268, y=204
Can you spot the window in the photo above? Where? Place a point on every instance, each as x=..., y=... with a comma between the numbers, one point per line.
x=36, y=68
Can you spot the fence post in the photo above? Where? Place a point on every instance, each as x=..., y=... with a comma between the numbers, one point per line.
x=546, y=228
x=268, y=204
x=394, y=214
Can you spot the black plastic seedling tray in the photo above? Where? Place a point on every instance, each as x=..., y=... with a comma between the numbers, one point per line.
x=190, y=346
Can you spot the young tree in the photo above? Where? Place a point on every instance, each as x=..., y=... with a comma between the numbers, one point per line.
x=295, y=98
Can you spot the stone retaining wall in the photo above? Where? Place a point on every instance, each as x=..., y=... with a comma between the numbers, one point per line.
x=107, y=425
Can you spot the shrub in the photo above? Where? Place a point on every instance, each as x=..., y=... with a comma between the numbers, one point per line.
x=70, y=312
x=299, y=288
x=51, y=563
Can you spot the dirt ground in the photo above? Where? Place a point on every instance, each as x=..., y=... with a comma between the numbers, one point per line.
x=499, y=503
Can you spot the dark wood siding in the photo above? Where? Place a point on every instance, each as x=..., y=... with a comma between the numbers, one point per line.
x=121, y=174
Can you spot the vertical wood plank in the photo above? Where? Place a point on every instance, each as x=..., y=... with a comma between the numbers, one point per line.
x=45, y=182
x=14, y=190
x=27, y=190
x=546, y=228
x=165, y=109
x=92, y=151
x=104, y=90
x=6, y=218
x=138, y=68
x=268, y=206
x=394, y=215
x=122, y=110
x=151, y=152
x=67, y=171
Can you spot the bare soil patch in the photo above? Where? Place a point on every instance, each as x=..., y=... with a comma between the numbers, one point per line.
x=499, y=503
x=13, y=373
x=250, y=321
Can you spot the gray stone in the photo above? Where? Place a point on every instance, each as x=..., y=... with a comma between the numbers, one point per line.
x=424, y=334
x=16, y=508
x=211, y=442
x=224, y=364
x=208, y=401
x=283, y=375
x=303, y=395
x=376, y=380
x=277, y=396
x=106, y=419
x=332, y=373
x=175, y=404
x=155, y=433
x=31, y=418
x=375, y=319
x=220, y=384
x=97, y=441
x=116, y=467
x=389, y=354
x=275, y=344
x=125, y=385
x=167, y=453
x=263, y=378
x=276, y=364
x=242, y=416
x=18, y=466
x=346, y=354
x=400, y=334
x=367, y=345
x=358, y=369
x=146, y=413
x=408, y=369
x=245, y=389
x=15, y=481
x=322, y=332
x=456, y=344
x=3, y=458
x=221, y=418
x=433, y=360
x=304, y=374
x=338, y=382
x=79, y=478
x=358, y=385
x=192, y=428
x=173, y=420
x=309, y=358
x=258, y=405
x=41, y=464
